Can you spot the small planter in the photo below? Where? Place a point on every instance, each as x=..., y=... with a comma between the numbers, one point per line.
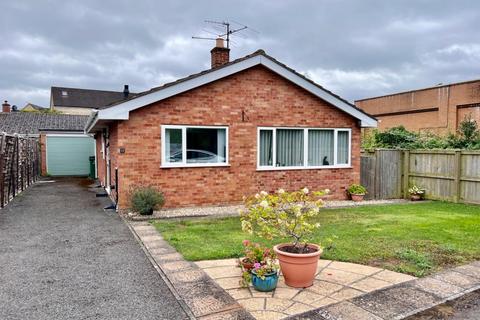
x=415, y=197
x=267, y=284
x=357, y=197
x=298, y=268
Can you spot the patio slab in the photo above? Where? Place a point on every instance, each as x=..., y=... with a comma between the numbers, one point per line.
x=335, y=282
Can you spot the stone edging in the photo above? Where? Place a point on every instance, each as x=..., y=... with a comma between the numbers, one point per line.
x=196, y=292
x=403, y=300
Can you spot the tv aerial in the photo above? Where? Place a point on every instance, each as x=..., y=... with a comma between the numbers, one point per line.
x=225, y=29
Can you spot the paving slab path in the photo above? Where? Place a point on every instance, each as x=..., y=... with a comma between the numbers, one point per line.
x=63, y=257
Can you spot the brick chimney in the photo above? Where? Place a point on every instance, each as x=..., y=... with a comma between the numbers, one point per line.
x=220, y=54
x=126, y=91
x=6, y=106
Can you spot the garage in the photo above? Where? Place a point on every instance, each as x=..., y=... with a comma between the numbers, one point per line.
x=68, y=155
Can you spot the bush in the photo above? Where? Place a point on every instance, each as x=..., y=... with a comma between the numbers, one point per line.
x=283, y=214
x=146, y=199
x=357, y=189
x=467, y=137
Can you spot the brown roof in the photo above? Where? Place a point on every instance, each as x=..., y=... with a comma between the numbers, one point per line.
x=33, y=123
x=85, y=98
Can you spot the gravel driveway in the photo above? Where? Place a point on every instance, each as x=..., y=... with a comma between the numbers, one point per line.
x=63, y=257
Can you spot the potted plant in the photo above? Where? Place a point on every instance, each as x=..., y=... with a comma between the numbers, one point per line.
x=265, y=276
x=254, y=253
x=357, y=192
x=287, y=214
x=416, y=193
x=144, y=200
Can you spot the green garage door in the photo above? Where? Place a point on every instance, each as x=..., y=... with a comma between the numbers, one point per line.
x=69, y=155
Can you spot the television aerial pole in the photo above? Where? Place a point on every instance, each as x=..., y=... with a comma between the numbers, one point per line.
x=226, y=34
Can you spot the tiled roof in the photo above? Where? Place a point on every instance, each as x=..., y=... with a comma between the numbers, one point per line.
x=85, y=98
x=35, y=107
x=33, y=123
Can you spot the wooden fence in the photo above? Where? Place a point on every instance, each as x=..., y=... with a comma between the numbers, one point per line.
x=451, y=175
x=19, y=165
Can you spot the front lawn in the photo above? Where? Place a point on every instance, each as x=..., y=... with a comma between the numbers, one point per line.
x=411, y=238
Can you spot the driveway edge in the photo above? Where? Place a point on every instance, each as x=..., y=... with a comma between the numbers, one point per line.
x=197, y=293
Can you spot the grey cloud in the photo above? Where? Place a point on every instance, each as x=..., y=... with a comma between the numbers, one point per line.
x=355, y=48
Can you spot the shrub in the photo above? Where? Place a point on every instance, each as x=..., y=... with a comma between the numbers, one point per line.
x=283, y=214
x=357, y=189
x=467, y=137
x=145, y=199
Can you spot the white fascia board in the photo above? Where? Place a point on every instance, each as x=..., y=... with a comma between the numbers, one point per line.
x=121, y=111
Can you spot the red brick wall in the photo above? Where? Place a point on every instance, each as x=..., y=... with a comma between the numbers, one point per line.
x=267, y=100
x=446, y=98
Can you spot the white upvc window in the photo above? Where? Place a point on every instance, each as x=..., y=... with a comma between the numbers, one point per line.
x=194, y=146
x=284, y=148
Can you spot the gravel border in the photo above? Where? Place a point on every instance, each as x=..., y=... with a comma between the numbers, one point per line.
x=232, y=210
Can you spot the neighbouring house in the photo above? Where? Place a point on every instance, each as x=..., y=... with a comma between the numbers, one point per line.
x=30, y=107
x=83, y=101
x=240, y=127
x=439, y=109
x=65, y=148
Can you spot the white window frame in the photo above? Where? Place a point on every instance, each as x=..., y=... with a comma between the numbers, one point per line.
x=165, y=164
x=305, y=166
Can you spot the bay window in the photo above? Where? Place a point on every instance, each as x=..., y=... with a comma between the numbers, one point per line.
x=297, y=148
x=194, y=146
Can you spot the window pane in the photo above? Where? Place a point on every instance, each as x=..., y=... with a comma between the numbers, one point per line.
x=173, y=145
x=206, y=145
x=266, y=147
x=320, y=147
x=289, y=147
x=342, y=147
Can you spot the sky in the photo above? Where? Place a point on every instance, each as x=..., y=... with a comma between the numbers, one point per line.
x=356, y=49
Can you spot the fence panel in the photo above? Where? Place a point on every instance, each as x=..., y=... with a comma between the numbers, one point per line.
x=19, y=165
x=381, y=174
x=451, y=175
x=367, y=174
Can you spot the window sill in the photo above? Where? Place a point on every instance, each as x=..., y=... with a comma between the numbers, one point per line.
x=203, y=165
x=302, y=168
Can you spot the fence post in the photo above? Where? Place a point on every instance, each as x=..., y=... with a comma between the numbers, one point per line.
x=457, y=166
x=406, y=172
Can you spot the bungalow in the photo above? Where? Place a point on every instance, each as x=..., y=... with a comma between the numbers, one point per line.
x=242, y=126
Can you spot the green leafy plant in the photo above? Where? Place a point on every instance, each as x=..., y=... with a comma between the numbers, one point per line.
x=256, y=253
x=357, y=189
x=267, y=268
x=416, y=190
x=283, y=214
x=145, y=199
x=466, y=137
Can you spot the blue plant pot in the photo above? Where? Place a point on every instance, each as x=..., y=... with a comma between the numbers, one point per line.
x=269, y=284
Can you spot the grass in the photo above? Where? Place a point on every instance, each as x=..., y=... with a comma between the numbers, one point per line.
x=417, y=239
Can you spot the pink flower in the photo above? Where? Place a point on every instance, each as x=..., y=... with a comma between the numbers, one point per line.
x=257, y=265
x=246, y=242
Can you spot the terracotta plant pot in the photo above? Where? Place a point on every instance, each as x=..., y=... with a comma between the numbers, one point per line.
x=415, y=197
x=298, y=269
x=247, y=266
x=357, y=197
